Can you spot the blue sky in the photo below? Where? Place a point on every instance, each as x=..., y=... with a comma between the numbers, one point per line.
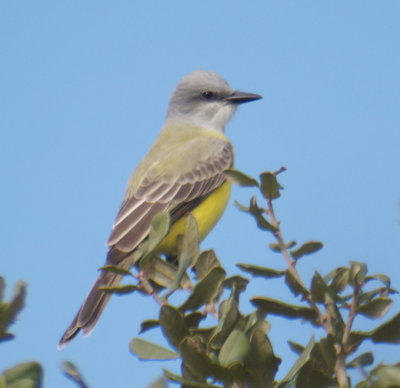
x=84, y=88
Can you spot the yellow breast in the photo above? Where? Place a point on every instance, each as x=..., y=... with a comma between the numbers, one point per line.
x=207, y=214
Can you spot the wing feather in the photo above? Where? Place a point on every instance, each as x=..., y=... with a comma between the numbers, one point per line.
x=141, y=229
x=129, y=222
x=159, y=192
x=127, y=208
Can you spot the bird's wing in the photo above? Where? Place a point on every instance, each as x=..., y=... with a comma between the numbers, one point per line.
x=163, y=190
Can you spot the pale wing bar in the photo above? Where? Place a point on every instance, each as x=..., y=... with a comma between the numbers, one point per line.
x=134, y=218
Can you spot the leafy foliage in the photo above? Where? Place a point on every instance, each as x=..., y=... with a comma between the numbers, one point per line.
x=236, y=352
x=71, y=371
x=9, y=311
x=27, y=374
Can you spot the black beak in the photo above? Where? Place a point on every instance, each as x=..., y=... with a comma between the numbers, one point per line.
x=241, y=97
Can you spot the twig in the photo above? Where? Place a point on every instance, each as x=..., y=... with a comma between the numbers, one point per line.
x=278, y=235
x=148, y=288
x=352, y=315
x=282, y=169
x=292, y=264
x=340, y=367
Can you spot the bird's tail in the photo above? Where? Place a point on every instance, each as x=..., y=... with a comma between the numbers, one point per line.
x=93, y=306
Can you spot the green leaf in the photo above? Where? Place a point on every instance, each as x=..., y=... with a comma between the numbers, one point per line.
x=370, y=295
x=161, y=382
x=256, y=270
x=186, y=382
x=295, y=347
x=385, y=376
x=376, y=308
x=159, y=229
x=200, y=364
x=340, y=279
x=364, y=359
x=146, y=350
x=192, y=320
x=294, y=285
x=358, y=272
x=275, y=247
x=324, y=355
x=241, y=207
x=236, y=282
x=235, y=349
x=255, y=322
x=228, y=314
x=261, y=362
x=204, y=333
x=318, y=288
x=308, y=376
x=205, y=290
x=306, y=249
x=10, y=310
x=121, y=290
x=300, y=362
x=117, y=270
x=173, y=325
x=251, y=322
x=189, y=246
x=239, y=178
x=388, y=332
x=276, y=307
x=71, y=371
x=188, y=251
x=148, y=325
x=206, y=261
x=355, y=340
x=164, y=273
x=27, y=375
x=257, y=213
x=269, y=185
x=383, y=278
x=362, y=384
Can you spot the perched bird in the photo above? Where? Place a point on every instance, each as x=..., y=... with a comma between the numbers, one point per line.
x=182, y=173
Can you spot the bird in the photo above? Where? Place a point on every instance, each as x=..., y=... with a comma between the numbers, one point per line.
x=182, y=173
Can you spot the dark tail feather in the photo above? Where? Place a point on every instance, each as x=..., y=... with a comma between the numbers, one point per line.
x=92, y=307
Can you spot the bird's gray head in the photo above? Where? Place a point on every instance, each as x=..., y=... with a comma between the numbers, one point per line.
x=205, y=99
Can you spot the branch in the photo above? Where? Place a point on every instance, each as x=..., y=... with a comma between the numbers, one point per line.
x=148, y=288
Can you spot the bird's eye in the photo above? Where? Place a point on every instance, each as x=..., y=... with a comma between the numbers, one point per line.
x=208, y=95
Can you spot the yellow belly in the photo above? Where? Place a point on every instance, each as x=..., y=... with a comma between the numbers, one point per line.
x=207, y=215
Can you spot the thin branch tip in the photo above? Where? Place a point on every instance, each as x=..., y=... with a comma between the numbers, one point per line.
x=282, y=169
